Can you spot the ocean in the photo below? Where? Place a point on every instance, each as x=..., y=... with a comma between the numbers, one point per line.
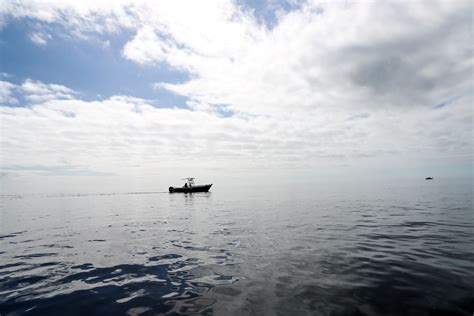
x=341, y=248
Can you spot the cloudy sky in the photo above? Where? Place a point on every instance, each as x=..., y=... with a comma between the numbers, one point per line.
x=166, y=89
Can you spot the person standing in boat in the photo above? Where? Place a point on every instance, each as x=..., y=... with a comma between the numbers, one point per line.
x=185, y=184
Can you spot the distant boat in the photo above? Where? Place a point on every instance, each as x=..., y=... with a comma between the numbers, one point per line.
x=190, y=187
x=429, y=178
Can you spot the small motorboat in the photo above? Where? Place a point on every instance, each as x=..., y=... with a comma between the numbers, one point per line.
x=429, y=178
x=190, y=187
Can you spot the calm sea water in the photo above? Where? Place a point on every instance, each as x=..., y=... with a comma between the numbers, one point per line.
x=389, y=248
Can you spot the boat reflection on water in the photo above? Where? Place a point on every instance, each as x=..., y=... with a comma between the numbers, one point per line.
x=190, y=187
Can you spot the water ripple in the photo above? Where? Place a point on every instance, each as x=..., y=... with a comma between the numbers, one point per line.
x=403, y=251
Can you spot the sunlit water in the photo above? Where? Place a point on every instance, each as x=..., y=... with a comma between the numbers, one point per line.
x=379, y=249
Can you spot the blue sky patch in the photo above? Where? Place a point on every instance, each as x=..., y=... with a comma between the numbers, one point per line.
x=266, y=12
x=94, y=68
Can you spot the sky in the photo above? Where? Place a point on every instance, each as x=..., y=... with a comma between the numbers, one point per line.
x=145, y=92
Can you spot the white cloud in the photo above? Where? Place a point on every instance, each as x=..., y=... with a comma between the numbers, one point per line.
x=295, y=89
x=5, y=75
x=33, y=92
x=120, y=133
x=40, y=39
x=6, y=93
x=36, y=91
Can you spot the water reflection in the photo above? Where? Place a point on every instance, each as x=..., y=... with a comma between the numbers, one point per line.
x=238, y=253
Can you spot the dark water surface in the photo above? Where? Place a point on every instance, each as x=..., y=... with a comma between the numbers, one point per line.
x=377, y=249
